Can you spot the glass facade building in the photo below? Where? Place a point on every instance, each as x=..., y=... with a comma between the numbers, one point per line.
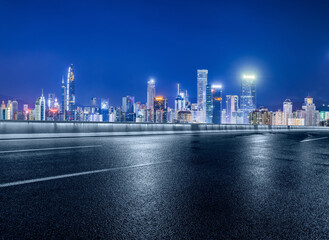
x=217, y=104
x=248, y=96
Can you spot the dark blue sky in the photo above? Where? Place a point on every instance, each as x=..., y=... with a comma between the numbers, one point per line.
x=116, y=46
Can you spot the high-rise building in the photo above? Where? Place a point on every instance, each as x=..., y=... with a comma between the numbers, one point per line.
x=26, y=111
x=179, y=102
x=64, y=102
x=128, y=104
x=105, y=109
x=311, y=115
x=248, y=96
x=209, y=104
x=40, y=108
x=70, y=94
x=232, y=107
x=9, y=110
x=160, y=110
x=150, y=94
x=287, y=111
x=51, y=100
x=3, y=111
x=15, y=110
x=217, y=103
x=202, y=76
x=261, y=116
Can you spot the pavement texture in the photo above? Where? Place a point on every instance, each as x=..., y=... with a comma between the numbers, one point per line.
x=180, y=186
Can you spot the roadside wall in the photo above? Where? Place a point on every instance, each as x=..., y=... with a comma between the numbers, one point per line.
x=38, y=127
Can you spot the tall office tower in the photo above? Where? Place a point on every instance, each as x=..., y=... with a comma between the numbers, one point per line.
x=311, y=115
x=202, y=93
x=160, y=110
x=209, y=104
x=232, y=107
x=179, y=102
x=25, y=111
x=3, y=111
x=248, y=96
x=70, y=94
x=64, y=102
x=9, y=110
x=128, y=104
x=40, y=108
x=287, y=111
x=15, y=110
x=51, y=100
x=105, y=109
x=217, y=103
x=150, y=94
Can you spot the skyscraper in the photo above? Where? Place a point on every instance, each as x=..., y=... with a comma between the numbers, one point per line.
x=128, y=104
x=15, y=110
x=232, y=107
x=70, y=94
x=64, y=102
x=311, y=115
x=40, y=108
x=179, y=102
x=248, y=96
x=217, y=103
x=3, y=111
x=287, y=111
x=209, y=104
x=105, y=109
x=202, y=89
x=150, y=94
x=160, y=110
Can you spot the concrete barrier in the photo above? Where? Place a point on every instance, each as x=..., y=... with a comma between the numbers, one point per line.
x=28, y=129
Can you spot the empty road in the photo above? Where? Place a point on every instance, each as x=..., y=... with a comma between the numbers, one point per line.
x=183, y=186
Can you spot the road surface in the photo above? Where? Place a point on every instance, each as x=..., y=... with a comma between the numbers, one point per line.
x=183, y=186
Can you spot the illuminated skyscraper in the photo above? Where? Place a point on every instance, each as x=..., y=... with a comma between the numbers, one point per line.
x=40, y=108
x=209, y=104
x=70, y=94
x=217, y=103
x=160, y=110
x=287, y=111
x=311, y=115
x=3, y=111
x=105, y=109
x=202, y=89
x=64, y=102
x=128, y=104
x=232, y=107
x=51, y=100
x=180, y=104
x=150, y=94
x=9, y=110
x=15, y=110
x=248, y=96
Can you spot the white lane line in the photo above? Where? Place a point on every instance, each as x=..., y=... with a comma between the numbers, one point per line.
x=23, y=182
x=313, y=139
x=48, y=149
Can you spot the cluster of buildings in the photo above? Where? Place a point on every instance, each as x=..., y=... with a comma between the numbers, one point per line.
x=308, y=115
x=211, y=107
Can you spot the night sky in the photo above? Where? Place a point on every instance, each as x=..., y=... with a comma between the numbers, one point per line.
x=116, y=46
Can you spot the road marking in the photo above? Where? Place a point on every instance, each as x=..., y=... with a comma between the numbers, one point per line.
x=313, y=139
x=23, y=182
x=48, y=149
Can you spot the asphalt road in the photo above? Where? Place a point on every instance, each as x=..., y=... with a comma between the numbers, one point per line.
x=186, y=186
